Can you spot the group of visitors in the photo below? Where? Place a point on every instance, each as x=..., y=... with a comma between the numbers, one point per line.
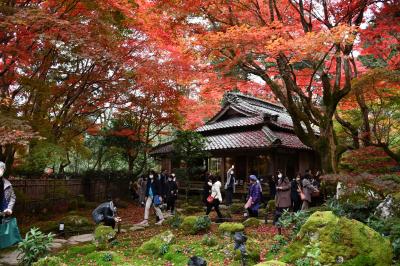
x=292, y=195
x=295, y=195
x=155, y=190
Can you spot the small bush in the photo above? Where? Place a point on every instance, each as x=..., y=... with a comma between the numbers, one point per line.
x=271, y=205
x=231, y=227
x=49, y=261
x=237, y=208
x=175, y=221
x=252, y=222
x=195, y=224
x=103, y=235
x=209, y=240
x=34, y=245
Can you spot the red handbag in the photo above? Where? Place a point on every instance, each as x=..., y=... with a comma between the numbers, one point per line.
x=210, y=199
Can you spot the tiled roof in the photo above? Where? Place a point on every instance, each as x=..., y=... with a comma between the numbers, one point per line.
x=290, y=140
x=231, y=123
x=237, y=140
x=251, y=139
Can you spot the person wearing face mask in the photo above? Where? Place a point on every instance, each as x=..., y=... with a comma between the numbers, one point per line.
x=295, y=193
x=153, y=198
x=307, y=190
x=172, y=193
x=230, y=185
x=7, y=195
x=282, y=197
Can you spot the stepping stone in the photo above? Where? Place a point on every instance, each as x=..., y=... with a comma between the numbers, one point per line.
x=10, y=258
x=136, y=228
x=80, y=239
x=56, y=245
x=123, y=231
x=60, y=240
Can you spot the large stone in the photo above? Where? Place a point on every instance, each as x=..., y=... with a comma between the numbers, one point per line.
x=331, y=239
x=80, y=239
x=10, y=258
x=155, y=245
x=56, y=245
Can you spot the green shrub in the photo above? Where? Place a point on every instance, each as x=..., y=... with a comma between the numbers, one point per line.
x=195, y=224
x=75, y=224
x=271, y=205
x=237, y=208
x=49, y=261
x=252, y=222
x=209, y=240
x=34, y=245
x=202, y=223
x=157, y=245
x=230, y=227
x=175, y=221
x=103, y=235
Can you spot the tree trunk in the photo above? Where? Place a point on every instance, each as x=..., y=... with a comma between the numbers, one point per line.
x=326, y=148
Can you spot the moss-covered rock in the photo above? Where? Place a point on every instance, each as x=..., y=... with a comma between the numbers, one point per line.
x=252, y=222
x=271, y=263
x=195, y=224
x=158, y=244
x=49, y=261
x=329, y=239
x=230, y=227
x=103, y=235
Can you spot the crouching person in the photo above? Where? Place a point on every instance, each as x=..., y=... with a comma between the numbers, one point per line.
x=106, y=213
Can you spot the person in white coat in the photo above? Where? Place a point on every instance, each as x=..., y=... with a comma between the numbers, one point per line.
x=215, y=197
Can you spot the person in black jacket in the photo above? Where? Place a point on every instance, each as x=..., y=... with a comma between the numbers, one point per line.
x=106, y=213
x=295, y=193
x=172, y=193
x=153, y=197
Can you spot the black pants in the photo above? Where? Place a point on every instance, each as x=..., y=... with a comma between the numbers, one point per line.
x=171, y=203
x=296, y=205
x=278, y=213
x=109, y=222
x=229, y=196
x=214, y=204
x=252, y=213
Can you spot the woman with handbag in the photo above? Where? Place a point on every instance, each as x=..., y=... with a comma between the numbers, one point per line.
x=215, y=198
x=306, y=192
x=9, y=233
x=152, y=198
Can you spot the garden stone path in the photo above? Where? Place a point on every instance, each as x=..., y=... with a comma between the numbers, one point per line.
x=73, y=240
x=10, y=258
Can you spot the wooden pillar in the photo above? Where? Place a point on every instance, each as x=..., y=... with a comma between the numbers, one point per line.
x=222, y=171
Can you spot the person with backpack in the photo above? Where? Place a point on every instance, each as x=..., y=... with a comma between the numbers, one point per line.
x=106, y=213
x=153, y=198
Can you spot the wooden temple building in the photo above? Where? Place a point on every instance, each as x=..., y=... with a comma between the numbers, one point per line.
x=255, y=135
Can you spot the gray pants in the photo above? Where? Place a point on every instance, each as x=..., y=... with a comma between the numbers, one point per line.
x=305, y=205
x=149, y=202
